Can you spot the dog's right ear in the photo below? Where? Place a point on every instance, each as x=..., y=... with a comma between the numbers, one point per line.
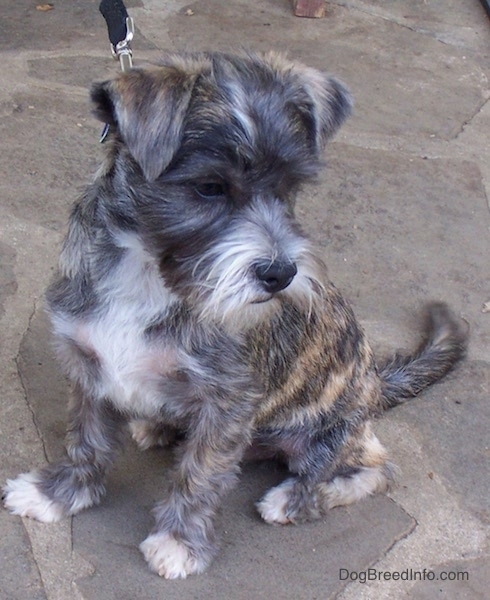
x=148, y=109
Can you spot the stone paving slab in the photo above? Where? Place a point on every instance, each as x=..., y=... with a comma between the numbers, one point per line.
x=455, y=583
x=20, y=579
x=423, y=226
x=254, y=558
x=424, y=74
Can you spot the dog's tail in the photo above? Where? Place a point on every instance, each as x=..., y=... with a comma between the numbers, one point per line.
x=404, y=377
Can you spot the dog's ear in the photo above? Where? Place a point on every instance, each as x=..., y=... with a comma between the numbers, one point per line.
x=323, y=101
x=148, y=110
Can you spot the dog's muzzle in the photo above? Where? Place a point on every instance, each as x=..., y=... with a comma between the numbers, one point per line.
x=275, y=276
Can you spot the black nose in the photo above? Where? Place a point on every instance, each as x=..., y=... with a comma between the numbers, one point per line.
x=275, y=276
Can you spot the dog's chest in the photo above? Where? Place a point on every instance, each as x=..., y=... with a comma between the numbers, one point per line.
x=132, y=370
x=127, y=366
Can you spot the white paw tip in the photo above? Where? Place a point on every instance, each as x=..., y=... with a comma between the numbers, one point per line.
x=22, y=497
x=169, y=558
x=273, y=506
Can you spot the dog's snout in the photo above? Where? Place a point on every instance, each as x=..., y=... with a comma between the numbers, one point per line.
x=275, y=276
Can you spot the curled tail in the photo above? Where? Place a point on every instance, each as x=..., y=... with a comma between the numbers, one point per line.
x=404, y=377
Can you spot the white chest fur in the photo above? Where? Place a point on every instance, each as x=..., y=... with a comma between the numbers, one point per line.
x=130, y=367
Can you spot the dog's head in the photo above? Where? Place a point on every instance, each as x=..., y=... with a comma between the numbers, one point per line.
x=208, y=151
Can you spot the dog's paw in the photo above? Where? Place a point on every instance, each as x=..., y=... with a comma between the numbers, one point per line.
x=148, y=435
x=273, y=507
x=169, y=557
x=21, y=496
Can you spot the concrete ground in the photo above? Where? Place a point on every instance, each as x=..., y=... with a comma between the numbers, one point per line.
x=401, y=215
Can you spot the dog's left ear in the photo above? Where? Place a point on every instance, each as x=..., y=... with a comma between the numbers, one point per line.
x=147, y=107
x=324, y=102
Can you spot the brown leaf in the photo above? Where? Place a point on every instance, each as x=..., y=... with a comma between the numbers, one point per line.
x=44, y=7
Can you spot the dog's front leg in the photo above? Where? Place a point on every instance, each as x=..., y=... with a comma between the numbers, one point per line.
x=64, y=488
x=183, y=541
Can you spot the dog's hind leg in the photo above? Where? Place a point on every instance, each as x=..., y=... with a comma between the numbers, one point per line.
x=365, y=471
x=360, y=469
x=77, y=482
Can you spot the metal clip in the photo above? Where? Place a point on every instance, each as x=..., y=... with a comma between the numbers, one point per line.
x=122, y=50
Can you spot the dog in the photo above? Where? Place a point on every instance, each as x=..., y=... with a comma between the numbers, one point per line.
x=190, y=303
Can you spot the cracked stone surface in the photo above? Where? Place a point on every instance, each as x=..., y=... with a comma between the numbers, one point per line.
x=401, y=215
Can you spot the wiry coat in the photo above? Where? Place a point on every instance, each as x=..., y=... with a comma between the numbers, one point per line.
x=189, y=301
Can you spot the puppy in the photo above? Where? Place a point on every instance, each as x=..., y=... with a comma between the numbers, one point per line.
x=189, y=301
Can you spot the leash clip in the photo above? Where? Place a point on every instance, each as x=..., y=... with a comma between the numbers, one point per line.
x=120, y=27
x=122, y=50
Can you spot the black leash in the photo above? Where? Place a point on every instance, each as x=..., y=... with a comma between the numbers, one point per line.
x=120, y=27
x=486, y=6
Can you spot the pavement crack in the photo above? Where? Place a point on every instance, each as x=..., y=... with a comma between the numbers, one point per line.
x=18, y=359
x=34, y=560
x=383, y=553
x=390, y=19
x=404, y=535
x=470, y=119
x=72, y=533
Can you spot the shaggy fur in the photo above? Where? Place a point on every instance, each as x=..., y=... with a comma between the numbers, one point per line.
x=189, y=302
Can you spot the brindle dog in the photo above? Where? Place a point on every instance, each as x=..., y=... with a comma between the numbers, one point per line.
x=189, y=300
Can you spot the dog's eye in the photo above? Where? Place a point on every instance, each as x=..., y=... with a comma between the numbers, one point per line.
x=210, y=190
